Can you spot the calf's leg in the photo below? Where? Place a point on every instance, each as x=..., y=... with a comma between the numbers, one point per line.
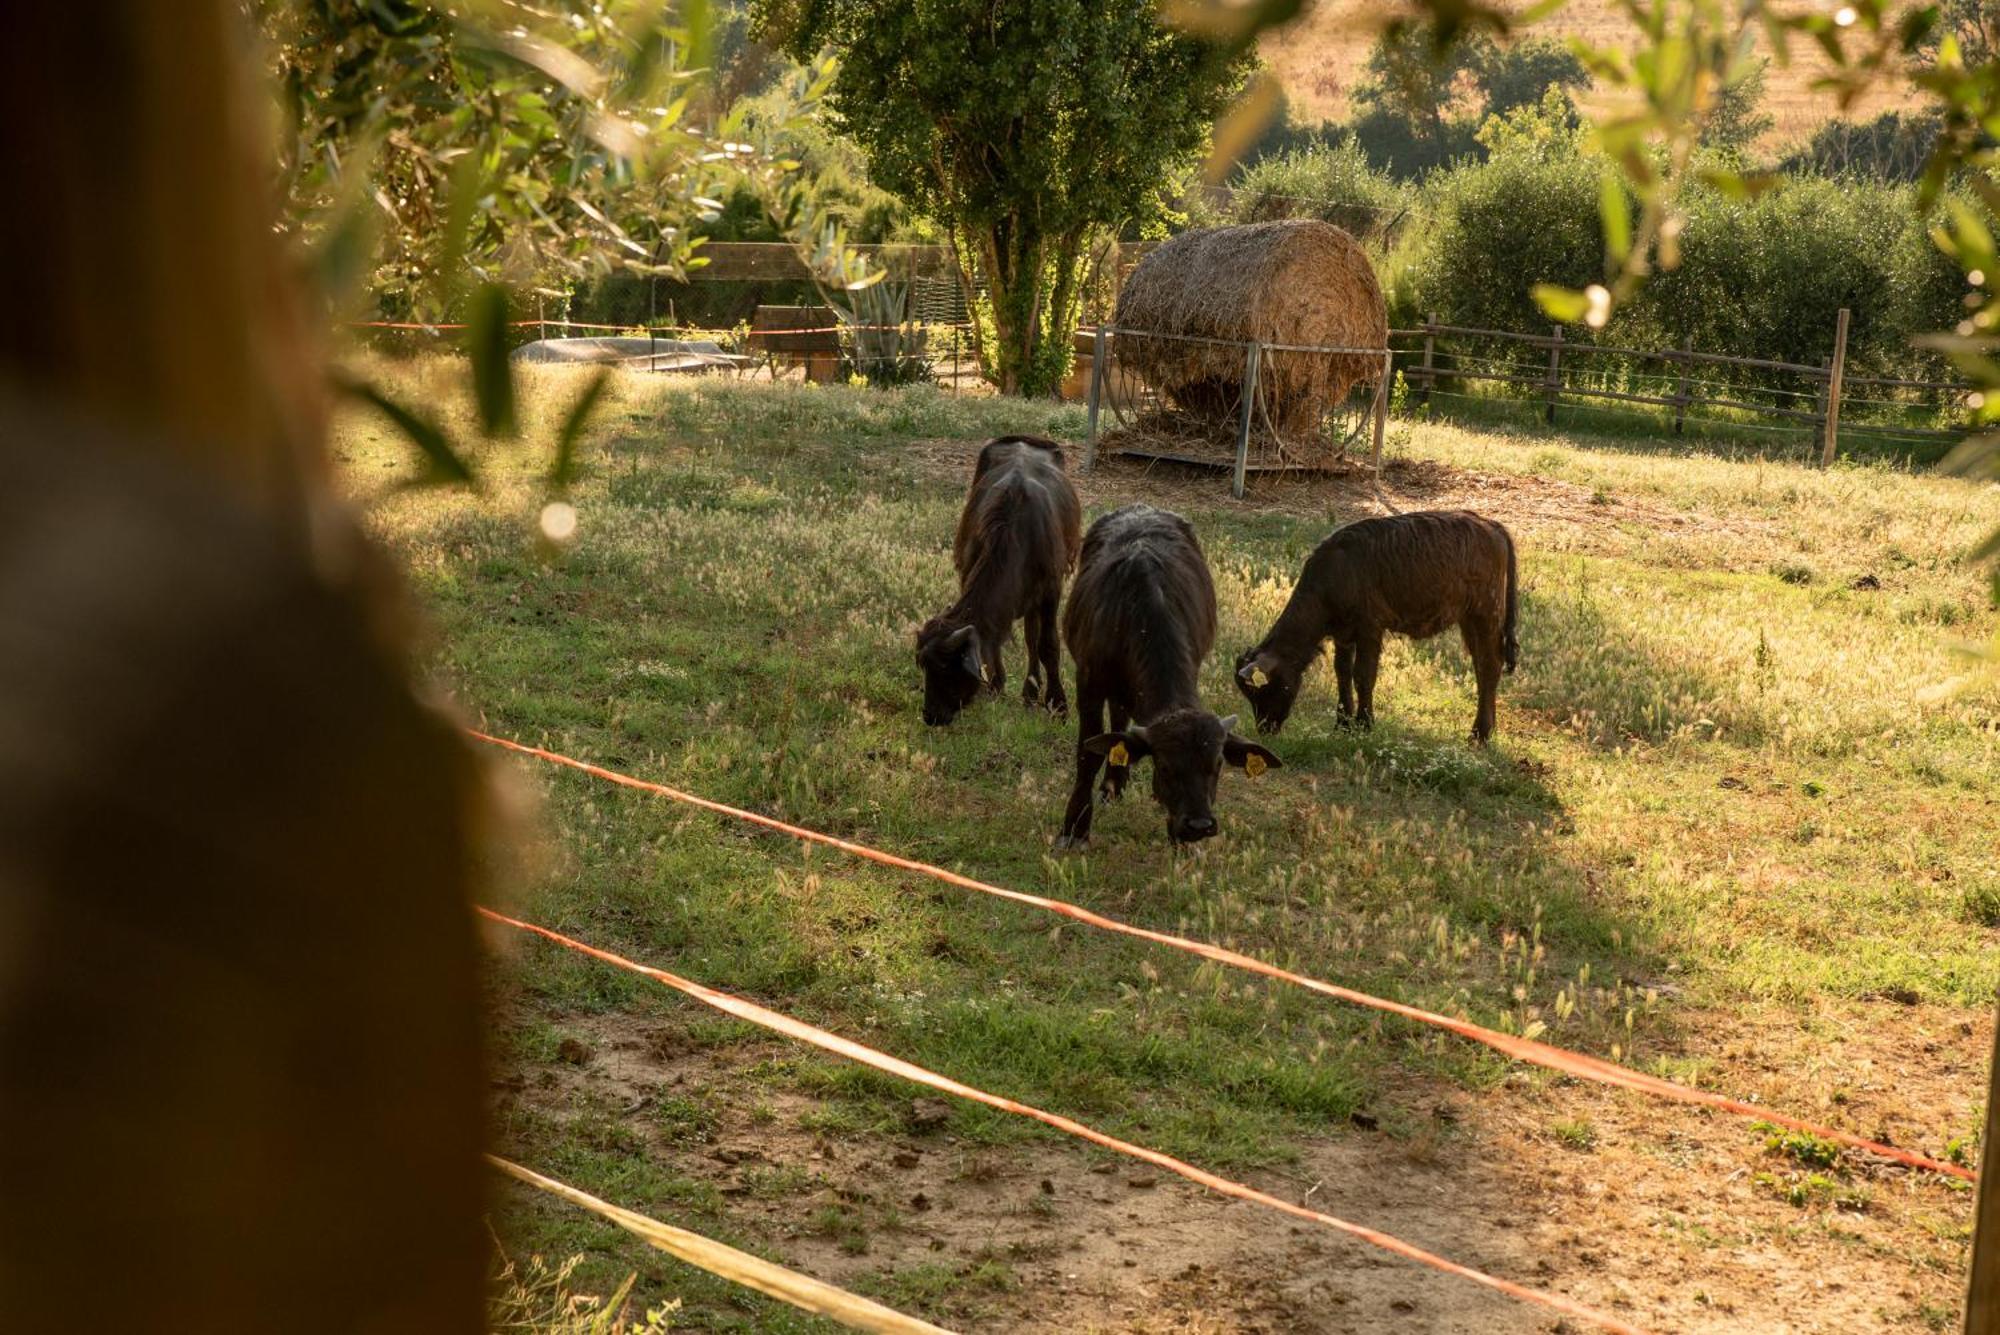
x=996, y=667
x=1343, y=670
x=1367, y=661
x=1032, y=688
x=1052, y=657
x=1482, y=641
x=1089, y=722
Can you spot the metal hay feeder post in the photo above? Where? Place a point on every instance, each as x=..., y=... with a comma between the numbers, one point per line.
x=1138, y=409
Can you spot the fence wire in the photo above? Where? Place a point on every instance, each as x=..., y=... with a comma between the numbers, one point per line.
x=1295, y=419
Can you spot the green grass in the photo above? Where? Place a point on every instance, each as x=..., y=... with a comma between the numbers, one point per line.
x=1715, y=782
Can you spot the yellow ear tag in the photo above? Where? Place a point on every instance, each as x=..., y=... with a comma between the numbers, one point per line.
x=1258, y=679
x=1253, y=765
x=982, y=669
x=1119, y=755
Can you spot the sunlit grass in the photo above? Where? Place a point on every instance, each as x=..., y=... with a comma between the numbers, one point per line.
x=1723, y=773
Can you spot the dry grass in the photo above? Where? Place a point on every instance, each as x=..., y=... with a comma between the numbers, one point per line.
x=1322, y=55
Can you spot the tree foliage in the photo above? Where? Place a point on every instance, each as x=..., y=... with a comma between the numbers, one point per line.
x=1422, y=103
x=1894, y=146
x=1525, y=72
x=1736, y=118
x=1030, y=140
x=422, y=144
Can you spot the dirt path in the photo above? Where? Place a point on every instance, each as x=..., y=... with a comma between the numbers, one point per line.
x=1671, y=1218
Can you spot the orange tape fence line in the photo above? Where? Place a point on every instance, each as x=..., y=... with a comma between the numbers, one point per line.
x=1580, y=1065
x=752, y=1272
x=784, y=1024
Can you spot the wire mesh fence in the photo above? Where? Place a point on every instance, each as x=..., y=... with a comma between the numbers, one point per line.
x=1682, y=385
x=1241, y=404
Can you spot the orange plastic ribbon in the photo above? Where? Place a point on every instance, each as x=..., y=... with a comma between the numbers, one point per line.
x=1547, y=1055
x=882, y=1061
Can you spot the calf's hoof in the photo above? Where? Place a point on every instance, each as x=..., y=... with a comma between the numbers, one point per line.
x=1072, y=843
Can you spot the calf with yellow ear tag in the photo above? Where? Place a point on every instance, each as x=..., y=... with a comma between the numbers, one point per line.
x=1416, y=574
x=1141, y=619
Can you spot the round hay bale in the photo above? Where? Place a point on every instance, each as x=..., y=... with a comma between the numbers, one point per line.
x=1289, y=281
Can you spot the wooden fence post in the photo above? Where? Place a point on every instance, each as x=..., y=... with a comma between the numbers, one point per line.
x=1096, y=396
x=1833, y=390
x=1982, y=1295
x=1681, y=387
x=1249, y=412
x=1819, y=396
x=1430, y=340
x=1555, y=373
x=1381, y=414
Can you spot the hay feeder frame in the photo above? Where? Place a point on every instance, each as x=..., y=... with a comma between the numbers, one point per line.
x=1131, y=403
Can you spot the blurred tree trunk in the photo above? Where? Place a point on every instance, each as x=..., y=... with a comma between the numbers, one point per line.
x=240, y=1065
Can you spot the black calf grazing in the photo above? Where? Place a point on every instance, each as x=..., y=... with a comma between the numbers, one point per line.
x=1414, y=574
x=1016, y=542
x=1140, y=620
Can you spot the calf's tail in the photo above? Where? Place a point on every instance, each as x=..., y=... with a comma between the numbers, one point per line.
x=1510, y=648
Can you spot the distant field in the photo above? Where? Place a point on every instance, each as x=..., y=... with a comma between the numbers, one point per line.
x=1323, y=54
x=1728, y=833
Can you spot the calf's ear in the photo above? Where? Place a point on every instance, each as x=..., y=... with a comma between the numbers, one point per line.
x=1247, y=756
x=1132, y=743
x=1254, y=671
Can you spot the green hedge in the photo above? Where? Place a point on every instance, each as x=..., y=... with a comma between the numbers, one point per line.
x=1762, y=277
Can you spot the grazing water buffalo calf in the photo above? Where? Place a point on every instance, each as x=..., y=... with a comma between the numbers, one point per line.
x=1016, y=541
x=1414, y=574
x=1140, y=620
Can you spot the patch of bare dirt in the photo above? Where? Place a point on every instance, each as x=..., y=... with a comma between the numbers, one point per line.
x=1527, y=504
x=1672, y=1218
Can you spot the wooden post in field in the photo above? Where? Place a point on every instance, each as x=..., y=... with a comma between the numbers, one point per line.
x=1982, y=1295
x=1430, y=339
x=1381, y=412
x=1555, y=374
x=1833, y=390
x=1096, y=398
x=1249, y=412
x=1819, y=398
x=1681, y=386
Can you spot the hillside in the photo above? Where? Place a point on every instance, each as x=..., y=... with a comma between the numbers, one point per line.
x=1323, y=54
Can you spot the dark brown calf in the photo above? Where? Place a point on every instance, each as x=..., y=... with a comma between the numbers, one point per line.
x=1140, y=620
x=1415, y=574
x=1016, y=543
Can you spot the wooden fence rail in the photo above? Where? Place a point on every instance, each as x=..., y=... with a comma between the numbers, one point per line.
x=1425, y=367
